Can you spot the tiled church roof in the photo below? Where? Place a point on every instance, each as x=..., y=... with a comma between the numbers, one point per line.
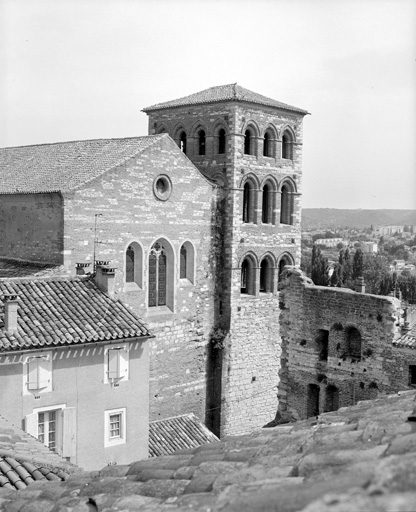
x=230, y=92
x=178, y=433
x=62, y=311
x=65, y=165
x=23, y=459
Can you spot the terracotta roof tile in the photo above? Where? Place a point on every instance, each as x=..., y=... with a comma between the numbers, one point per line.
x=65, y=166
x=178, y=433
x=407, y=340
x=65, y=311
x=221, y=93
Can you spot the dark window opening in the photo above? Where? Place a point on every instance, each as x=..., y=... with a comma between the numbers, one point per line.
x=265, y=213
x=312, y=404
x=221, y=141
x=247, y=143
x=266, y=145
x=182, y=142
x=353, y=343
x=183, y=263
x=322, y=343
x=286, y=206
x=129, y=265
x=247, y=277
x=244, y=276
x=331, y=399
x=201, y=143
x=265, y=276
x=287, y=146
x=412, y=375
x=282, y=263
x=247, y=203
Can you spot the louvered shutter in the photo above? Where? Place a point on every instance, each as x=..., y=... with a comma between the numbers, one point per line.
x=44, y=373
x=124, y=363
x=69, y=426
x=31, y=424
x=33, y=373
x=113, y=363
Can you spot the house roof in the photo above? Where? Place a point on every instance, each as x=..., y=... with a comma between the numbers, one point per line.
x=24, y=460
x=221, y=93
x=181, y=432
x=407, y=339
x=356, y=458
x=65, y=311
x=65, y=166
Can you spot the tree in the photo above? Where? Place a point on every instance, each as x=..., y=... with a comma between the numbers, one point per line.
x=319, y=270
x=357, y=265
x=375, y=272
x=340, y=245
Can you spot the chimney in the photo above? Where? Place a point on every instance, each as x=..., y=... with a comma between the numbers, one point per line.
x=81, y=268
x=11, y=306
x=105, y=277
x=360, y=285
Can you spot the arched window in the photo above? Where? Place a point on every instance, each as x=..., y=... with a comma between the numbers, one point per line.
x=286, y=205
x=221, y=141
x=287, y=145
x=201, y=142
x=331, y=399
x=248, y=201
x=161, y=274
x=187, y=262
x=182, y=142
x=266, y=276
x=267, y=145
x=134, y=265
x=248, y=143
x=248, y=277
x=285, y=260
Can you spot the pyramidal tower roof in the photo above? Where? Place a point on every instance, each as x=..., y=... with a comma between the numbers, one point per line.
x=221, y=93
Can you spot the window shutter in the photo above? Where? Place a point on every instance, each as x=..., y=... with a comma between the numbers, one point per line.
x=31, y=424
x=33, y=373
x=44, y=373
x=69, y=426
x=124, y=363
x=113, y=363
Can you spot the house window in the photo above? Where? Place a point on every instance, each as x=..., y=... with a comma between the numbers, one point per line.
x=201, y=142
x=287, y=145
x=134, y=266
x=116, y=363
x=182, y=142
x=55, y=427
x=115, y=427
x=37, y=373
x=248, y=143
x=221, y=141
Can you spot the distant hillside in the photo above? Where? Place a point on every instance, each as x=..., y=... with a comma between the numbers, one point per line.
x=322, y=218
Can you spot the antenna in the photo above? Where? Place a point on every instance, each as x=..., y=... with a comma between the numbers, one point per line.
x=95, y=238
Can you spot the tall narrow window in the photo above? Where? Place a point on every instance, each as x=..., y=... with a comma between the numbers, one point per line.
x=247, y=143
x=182, y=142
x=353, y=343
x=221, y=141
x=247, y=202
x=286, y=206
x=244, y=276
x=248, y=276
x=183, y=257
x=287, y=145
x=157, y=276
x=265, y=209
x=266, y=283
x=129, y=265
x=266, y=145
x=312, y=404
x=331, y=399
x=201, y=143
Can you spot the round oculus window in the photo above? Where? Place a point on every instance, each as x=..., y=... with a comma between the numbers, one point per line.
x=162, y=187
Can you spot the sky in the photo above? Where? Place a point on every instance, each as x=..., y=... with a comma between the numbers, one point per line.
x=84, y=69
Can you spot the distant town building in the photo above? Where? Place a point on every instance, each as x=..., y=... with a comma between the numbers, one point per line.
x=371, y=247
x=328, y=242
x=389, y=230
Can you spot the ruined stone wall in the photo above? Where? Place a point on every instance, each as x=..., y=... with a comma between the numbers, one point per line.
x=131, y=213
x=325, y=363
x=31, y=227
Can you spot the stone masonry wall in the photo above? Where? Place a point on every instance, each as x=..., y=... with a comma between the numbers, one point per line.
x=130, y=212
x=31, y=227
x=314, y=379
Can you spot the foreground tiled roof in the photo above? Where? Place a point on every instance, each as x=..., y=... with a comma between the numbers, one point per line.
x=407, y=339
x=230, y=92
x=360, y=458
x=65, y=165
x=178, y=433
x=24, y=460
x=63, y=311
